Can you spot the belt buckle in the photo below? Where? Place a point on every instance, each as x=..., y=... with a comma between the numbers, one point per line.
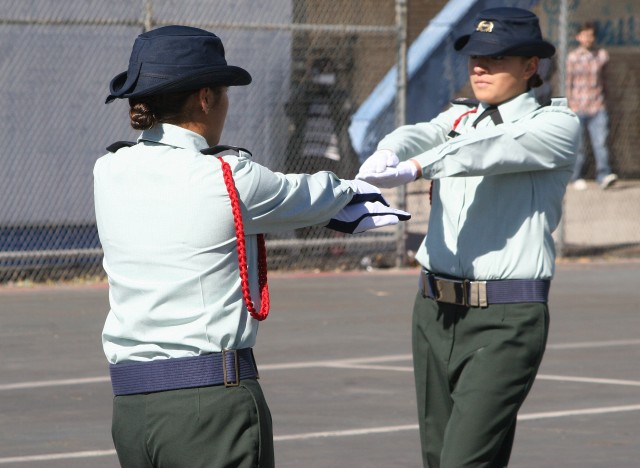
x=477, y=294
x=451, y=291
x=236, y=368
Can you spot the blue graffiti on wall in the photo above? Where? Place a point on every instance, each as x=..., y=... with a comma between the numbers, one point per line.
x=612, y=30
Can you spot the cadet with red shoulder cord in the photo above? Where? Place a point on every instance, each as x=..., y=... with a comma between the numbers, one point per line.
x=182, y=221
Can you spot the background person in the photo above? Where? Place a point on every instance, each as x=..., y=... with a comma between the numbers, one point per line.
x=184, y=254
x=586, y=92
x=500, y=166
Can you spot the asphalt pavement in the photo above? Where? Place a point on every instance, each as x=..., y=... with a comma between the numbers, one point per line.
x=335, y=363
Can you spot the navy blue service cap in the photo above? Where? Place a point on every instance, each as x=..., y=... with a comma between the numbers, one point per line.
x=505, y=31
x=173, y=59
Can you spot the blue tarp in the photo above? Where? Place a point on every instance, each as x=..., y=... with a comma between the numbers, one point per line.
x=435, y=73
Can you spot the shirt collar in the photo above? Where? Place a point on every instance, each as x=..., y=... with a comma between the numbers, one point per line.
x=515, y=108
x=172, y=135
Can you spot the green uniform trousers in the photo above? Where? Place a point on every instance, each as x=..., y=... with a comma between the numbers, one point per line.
x=212, y=427
x=473, y=369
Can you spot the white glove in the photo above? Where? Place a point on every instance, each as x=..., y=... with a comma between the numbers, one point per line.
x=379, y=162
x=360, y=187
x=365, y=192
x=384, y=170
x=362, y=216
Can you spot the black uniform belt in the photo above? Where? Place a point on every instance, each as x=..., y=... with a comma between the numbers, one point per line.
x=470, y=293
x=225, y=368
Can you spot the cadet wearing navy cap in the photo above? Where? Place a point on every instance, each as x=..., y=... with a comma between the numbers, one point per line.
x=185, y=256
x=499, y=167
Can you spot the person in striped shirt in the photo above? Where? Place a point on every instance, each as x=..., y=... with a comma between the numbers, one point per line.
x=585, y=89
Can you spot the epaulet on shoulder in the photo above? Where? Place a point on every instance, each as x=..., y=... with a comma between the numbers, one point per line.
x=113, y=147
x=557, y=101
x=463, y=101
x=214, y=150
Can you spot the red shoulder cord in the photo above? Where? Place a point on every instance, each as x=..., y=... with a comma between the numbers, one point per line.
x=242, y=252
x=455, y=125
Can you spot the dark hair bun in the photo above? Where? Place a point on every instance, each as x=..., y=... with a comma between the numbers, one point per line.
x=141, y=115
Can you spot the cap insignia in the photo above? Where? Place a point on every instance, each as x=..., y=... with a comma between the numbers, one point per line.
x=485, y=26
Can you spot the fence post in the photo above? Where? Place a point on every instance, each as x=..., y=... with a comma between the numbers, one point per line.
x=400, y=116
x=562, y=59
x=148, y=16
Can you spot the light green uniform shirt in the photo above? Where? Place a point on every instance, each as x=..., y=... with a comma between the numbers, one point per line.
x=498, y=190
x=165, y=224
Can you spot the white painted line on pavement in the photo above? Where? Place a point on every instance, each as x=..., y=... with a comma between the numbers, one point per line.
x=336, y=362
x=388, y=429
x=338, y=433
x=358, y=363
x=593, y=344
x=566, y=378
x=53, y=383
x=345, y=433
x=373, y=367
x=562, y=414
x=58, y=456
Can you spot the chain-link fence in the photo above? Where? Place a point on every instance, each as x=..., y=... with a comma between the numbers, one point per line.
x=596, y=222
x=315, y=63
x=310, y=67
